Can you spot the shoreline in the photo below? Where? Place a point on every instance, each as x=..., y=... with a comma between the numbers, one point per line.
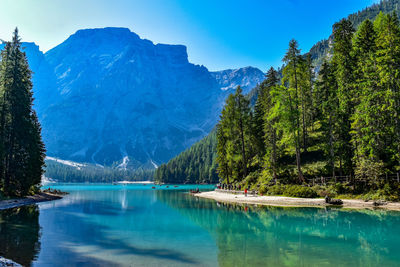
x=8, y=263
x=280, y=201
x=19, y=202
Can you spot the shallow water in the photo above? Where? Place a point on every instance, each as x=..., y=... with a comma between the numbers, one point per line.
x=135, y=225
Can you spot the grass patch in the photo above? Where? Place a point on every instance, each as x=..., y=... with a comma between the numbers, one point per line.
x=289, y=191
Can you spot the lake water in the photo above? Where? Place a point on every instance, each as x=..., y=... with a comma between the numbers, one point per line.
x=135, y=225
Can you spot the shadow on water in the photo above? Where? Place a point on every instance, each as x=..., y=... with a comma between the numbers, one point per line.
x=254, y=236
x=19, y=234
x=20, y=237
x=84, y=233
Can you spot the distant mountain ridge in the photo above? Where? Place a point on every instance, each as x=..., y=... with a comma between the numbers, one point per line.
x=247, y=78
x=108, y=97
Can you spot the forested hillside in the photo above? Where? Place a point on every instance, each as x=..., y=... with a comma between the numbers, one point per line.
x=322, y=48
x=195, y=165
x=346, y=122
x=89, y=173
x=332, y=123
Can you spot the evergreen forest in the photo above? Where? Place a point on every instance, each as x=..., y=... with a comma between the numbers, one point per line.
x=338, y=121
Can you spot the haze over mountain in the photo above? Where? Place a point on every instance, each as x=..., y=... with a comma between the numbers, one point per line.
x=108, y=97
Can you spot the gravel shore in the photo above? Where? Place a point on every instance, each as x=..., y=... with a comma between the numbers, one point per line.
x=40, y=197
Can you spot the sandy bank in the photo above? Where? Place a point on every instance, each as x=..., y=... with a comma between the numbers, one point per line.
x=291, y=201
x=40, y=197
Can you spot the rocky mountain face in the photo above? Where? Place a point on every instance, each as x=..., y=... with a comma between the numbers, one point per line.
x=247, y=78
x=108, y=97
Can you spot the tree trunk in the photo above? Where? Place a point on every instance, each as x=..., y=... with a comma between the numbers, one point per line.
x=274, y=153
x=332, y=151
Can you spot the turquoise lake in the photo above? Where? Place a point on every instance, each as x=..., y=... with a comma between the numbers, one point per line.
x=135, y=225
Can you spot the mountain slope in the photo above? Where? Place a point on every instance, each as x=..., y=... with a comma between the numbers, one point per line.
x=121, y=96
x=108, y=97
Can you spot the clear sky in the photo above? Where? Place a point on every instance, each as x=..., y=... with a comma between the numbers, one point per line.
x=219, y=34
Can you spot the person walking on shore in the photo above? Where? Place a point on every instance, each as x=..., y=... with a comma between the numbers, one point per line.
x=245, y=192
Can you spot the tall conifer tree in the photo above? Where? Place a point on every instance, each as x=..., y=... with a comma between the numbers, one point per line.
x=23, y=150
x=345, y=65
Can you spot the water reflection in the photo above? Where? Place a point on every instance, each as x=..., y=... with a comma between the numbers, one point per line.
x=254, y=236
x=123, y=226
x=19, y=234
x=126, y=226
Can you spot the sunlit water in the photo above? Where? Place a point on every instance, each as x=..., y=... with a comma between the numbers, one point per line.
x=135, y=225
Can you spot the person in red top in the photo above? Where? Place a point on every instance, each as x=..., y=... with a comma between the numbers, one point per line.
x=245, y=192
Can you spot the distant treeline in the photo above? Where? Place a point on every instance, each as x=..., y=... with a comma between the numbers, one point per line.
x=94, y=174
x=195, y=165
x=22, y=151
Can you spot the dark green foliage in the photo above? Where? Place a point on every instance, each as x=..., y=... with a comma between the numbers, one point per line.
x=21, y=148
x=195, y=165
x=321, y=49
x=289, y=191
x=235, y=138
x=342, y=121
x=345, y=65
x=93, y=174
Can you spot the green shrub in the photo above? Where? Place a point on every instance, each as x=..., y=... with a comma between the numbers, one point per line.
x=300, y=191
x=276, y=190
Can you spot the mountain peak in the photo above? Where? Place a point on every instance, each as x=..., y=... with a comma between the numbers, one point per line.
x=117, y=31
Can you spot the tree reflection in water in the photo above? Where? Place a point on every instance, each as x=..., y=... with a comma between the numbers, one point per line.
x=19, y=234
x=277, y=236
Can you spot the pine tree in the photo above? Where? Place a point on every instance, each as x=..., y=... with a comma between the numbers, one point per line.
x=388, y=68
x=328, y=106
x=291, y=77
x=344, y=63
x=258, y=125
x=269, y=127
x=234, y=135
x=368, y=120
x=244, y=118
x=23, y=149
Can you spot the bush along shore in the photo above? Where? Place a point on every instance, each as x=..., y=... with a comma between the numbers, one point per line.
x=329, y=132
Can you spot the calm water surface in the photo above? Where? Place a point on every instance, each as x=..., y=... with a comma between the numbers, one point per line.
x=135, y=225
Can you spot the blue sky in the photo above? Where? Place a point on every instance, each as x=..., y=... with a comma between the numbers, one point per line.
x=219, y=34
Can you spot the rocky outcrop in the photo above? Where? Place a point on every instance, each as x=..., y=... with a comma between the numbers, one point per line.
x=247, y=78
